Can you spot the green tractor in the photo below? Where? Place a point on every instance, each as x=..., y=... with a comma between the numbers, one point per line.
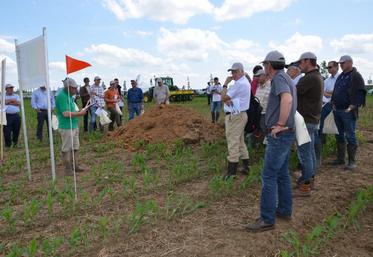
x=176, y=94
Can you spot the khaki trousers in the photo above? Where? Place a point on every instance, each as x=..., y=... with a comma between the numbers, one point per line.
x=234, y=132
x=66, y=139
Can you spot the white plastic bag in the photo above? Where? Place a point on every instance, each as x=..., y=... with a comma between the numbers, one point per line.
x=3, y=112
x=118, y=109
x=329, y=125
x=104, y=118
x=54, y=122
x=301, y=132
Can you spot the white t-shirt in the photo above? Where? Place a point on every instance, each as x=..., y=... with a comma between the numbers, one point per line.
x=329, y=86
x=215, y=89
x=296, y=79
x=240, y=92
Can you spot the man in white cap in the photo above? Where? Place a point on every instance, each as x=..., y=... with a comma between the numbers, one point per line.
x=11, y=130
x=161, y=92
x=348, y=95
x=309, y=93
x=97, y=101
x=294, y=72
x=262, y=93
x=68, y=125
x=236, y=100
x=276, y=197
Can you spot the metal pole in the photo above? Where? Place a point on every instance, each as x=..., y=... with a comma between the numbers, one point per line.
x=53, y=164
x=3, y=67
x=23, y=115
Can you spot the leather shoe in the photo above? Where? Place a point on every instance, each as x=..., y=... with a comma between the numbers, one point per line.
x=259, y=226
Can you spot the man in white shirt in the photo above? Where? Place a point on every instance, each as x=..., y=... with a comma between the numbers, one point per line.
x=294, y=72
x=236, y=102
x=216, y=100
x=161, y=92
x=326, y=107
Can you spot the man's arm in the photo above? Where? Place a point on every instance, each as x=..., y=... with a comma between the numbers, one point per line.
x=67, y=114
x=224, y=97
x=285, y=108
x=33, y=101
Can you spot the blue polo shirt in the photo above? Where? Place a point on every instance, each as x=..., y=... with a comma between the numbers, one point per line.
x=12, y=109
x=340, y=95
x=135, y=95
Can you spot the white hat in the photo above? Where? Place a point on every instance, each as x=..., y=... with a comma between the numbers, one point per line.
x=8, y=86
x=69, y=82
x=259, y=72
x=236, y=66
x=158, y=80
x=97, y=78
x=345, y=58
x=274, y=56
x=307, y=55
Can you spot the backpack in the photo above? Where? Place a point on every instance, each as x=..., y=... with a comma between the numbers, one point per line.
x=253, y=115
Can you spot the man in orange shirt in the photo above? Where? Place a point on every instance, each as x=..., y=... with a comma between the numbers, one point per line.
x=111, y=98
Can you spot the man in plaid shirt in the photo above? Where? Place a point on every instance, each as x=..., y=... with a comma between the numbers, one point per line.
x=97, y=101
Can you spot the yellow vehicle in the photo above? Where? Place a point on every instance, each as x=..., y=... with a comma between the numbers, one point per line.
x=176, y=94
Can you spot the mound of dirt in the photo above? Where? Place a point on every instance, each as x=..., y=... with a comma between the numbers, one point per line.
x=167, y=125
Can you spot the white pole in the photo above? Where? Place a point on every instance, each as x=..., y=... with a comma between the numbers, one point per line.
x=3, y=65
x=53, y=164
x=23, y=115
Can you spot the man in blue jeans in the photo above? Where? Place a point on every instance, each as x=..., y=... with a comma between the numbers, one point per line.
x=309, y=95
x=135, y=99
x=276, y=197
x=348, y=95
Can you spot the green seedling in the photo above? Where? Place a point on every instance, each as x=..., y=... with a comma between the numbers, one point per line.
x=31, y=249
x=218, y=186
x=49, y=247
x=140, y=214
x=30, y=211
x=180, y=205
x=75, y=238
x=8, y=215
x=15, y=251
x=103, y=227
x=50, y=204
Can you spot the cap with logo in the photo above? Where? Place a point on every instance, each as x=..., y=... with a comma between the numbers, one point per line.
x=274, y=56
x=236, y=66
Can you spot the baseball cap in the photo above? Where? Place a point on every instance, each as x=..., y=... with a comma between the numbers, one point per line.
x=307, y=55
x=236, y=66
x=112, y=82
x=8, y=86
x=69, y=82
x=97, y=78
x=158, y=80
x=345, y=58
x=259, y=72
x=292, y=64
x=274, y=56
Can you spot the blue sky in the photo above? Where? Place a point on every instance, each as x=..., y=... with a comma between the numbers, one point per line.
x=185, y=38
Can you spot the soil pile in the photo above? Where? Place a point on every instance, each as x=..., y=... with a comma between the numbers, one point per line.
x=166, y=125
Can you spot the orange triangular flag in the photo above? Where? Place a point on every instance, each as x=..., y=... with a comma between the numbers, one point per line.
x=73, y=65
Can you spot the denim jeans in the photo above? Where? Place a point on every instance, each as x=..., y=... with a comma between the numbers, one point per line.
x=306, y=154
x=276, y=186
x=215, y=106
x=134, y=108
x=346, y=123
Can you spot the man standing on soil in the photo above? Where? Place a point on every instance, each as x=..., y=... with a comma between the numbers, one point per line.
x=135, y=100
x=348, y=95
x=68, y=125
x=97, y=98
x=84, y=96
x=39, y=102
x=276, y=197
x=161, y=92
x=309, y=93
x=216, y=100
x=111, y=99
x=236, y=102
x=11, y=130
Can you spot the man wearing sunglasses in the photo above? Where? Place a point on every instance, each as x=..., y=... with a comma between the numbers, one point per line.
x=348, y=95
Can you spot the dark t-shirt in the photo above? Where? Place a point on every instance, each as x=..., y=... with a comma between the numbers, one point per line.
x=310, y=91
x=281, y=83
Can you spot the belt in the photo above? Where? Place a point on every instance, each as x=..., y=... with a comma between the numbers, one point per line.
x=227, y=113
x=135, y=102
x=17, y=113
x=43, y=110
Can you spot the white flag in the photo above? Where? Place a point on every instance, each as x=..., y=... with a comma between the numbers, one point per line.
x=31, y=63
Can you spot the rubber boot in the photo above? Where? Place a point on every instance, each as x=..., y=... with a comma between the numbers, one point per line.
x=245, y=167
x=78, y=168
x=213, y=117
x=217, y=117
x=232, y=170
x=66, y=160
x=341, y=152
x=351, y=151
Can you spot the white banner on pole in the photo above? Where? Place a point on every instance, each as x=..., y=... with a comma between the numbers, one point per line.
x=32, y=63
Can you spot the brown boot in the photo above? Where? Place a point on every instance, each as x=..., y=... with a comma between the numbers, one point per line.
x=78, y=168
x=304, y=190
x=66, y=160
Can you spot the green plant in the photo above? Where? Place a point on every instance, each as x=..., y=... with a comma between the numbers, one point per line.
x=31, y=249
x=49, y=247
x=103, y=227
x=50, y=203
x=75, y=238
x=30, y=211
x=254, y=175
x=180, y=205
x=138, y=161
x=15, y=251
x=139, y=215
x=8, y=215
x=219, y=186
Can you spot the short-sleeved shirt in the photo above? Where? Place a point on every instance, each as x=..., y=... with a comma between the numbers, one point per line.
x=329, y=87
x=281, y=83
x=135, y=95
x=65, y=103
x=98, y=99
x=12, y=109
x=161, y=93
x=216, y=90
x=111, y=95
x=241, y=90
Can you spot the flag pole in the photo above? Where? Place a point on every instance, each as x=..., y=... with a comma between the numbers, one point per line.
x=3, y=67
x=51, y=145
x=23, y=113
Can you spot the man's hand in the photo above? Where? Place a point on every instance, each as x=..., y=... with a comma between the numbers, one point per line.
x=228, y=80
x=277, y=129
x=350, y=108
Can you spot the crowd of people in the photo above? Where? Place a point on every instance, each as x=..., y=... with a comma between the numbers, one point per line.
x=300, y=89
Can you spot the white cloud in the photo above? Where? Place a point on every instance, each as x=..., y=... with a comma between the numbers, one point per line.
x=142, y=33
x=6, y=46
x=58, y=66
x=188, y=44
x=293, y=47
x=177, y=11
x=233, y=9
x=354, y=44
